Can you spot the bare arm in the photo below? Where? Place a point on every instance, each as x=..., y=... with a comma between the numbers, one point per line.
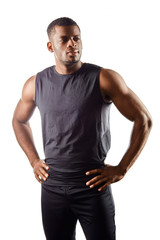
x=114, y=88
x=22, y=130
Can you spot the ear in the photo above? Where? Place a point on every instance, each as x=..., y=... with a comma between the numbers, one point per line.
x=50, y=47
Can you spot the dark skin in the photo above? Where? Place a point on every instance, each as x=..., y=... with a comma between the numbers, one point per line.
x=65, y=42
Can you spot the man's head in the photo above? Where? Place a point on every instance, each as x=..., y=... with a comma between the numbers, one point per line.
x=65, y=41
x=64, y=21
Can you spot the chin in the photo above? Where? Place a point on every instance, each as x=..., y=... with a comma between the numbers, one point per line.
x=71, y=62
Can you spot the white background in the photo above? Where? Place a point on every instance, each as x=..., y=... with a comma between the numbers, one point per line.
x=120, y=35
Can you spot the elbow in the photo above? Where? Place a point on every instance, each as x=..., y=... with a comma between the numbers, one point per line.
x=149, y=123
x=14, y=123
x=146, y=122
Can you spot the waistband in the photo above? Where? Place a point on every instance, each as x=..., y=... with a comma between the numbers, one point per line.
x=69, y=177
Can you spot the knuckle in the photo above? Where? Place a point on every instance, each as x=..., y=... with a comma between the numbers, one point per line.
x=44, y=173
x=35, y=174
x=37, y=178
x=99, y=177
x=42, y=170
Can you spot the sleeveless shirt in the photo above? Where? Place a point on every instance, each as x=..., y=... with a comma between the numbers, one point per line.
x=75, y=123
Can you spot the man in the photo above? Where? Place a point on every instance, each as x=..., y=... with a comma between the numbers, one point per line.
x=74, y=100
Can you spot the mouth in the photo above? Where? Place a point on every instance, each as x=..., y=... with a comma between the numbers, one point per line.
x=75, y=52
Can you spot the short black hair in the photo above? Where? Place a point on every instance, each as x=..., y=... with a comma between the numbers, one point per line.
x=63, y=21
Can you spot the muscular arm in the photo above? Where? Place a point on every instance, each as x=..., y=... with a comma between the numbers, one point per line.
x=113, y=88
x=21, y=126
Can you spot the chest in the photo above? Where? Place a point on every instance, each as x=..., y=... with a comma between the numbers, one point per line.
x=69, y=94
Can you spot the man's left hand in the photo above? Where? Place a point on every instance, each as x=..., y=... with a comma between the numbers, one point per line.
x=109, y=174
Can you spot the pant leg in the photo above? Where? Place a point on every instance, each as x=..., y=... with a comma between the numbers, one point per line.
x=96, y=211
x=58, y=220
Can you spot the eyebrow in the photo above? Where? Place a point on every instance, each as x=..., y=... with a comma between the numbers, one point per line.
x=67, y=36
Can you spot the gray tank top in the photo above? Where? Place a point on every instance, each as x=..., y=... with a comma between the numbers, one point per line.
x=75, y=123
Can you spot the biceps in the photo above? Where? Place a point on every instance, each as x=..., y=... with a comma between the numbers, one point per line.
x=130, y=105
x=24, y=111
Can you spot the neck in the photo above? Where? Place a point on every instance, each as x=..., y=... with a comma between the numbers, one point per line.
x=68, y=69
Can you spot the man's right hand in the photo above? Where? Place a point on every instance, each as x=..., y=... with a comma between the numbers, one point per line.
x=38, y=169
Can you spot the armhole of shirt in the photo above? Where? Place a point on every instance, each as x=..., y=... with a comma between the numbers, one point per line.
x=98, y=80
x=36, y=103
x=98, y=84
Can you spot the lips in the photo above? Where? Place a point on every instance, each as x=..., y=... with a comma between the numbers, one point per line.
x=73, y=52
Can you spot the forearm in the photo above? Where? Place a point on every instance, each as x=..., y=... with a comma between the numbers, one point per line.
x=138, y=140
x=24, y=137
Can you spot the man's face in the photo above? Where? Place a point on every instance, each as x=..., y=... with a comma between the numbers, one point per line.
x=66, y=44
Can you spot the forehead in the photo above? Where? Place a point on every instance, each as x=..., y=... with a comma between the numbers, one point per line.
x=66, y=31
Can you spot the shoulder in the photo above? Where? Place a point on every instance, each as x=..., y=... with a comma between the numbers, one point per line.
x=112, y=82
x=90, y=68
x=45, y=72
x=110, y=76
x=28, y=91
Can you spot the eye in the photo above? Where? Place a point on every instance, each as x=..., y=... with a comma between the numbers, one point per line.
x=76, y=38
x=64, y=39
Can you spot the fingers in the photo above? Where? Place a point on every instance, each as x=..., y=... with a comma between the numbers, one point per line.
x=98, y=179
x=43, y=174
x=108, y=175
x=39, y=171
x=94, y=181
x=94, y=171
x=37, y=177
x=104, y=186
x=45, y=166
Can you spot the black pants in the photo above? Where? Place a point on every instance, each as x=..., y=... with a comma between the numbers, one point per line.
x=62, y=206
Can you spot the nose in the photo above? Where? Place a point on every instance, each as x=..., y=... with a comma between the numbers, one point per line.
x=71, y=43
